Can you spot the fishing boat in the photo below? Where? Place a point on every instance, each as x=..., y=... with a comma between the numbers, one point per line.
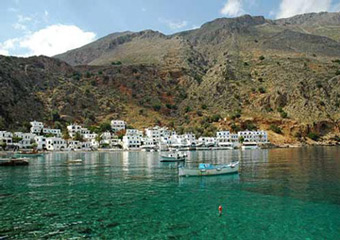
x=250, y=145
x=206, y=169
x=173, y=157
x=75, y=161
x=33, y=153
x=7, y=162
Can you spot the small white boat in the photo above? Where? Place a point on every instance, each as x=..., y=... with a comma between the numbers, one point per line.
x=250, y=145
x=75, y=161
x=206, y=169
x=173, y=157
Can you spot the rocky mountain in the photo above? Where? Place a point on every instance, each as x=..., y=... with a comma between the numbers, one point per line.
x=233, y=73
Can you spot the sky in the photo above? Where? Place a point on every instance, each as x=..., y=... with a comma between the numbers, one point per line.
x=50, y=27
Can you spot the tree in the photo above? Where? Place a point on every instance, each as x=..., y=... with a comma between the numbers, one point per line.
x=78, y=137
x=215, y=117
x=55, y=115
x=16, y=139
x=104, y=127
x=261, y=57
x=241, y=139
x=66, y=135
x=313, y=136
x=157, y=107
x=275, y=129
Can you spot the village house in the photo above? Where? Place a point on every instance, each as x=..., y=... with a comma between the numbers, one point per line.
x=254, y=136
x=56, y=144
x=132, y=139
x=118, y=125
x=27, y=139
x=36, y=127
x=41, y=142
x=6, y=137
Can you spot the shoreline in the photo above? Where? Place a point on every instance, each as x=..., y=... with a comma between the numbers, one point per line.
x=269, y=146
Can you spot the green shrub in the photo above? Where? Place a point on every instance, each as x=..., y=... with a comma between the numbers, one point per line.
x=261, y=58
x=188, y=109
x=204, y=106
x=283, y=114
x=215, y=117
x=262, y=90
x=314, y=136
x=157, y=107
x=337, y=72
x=275, y=129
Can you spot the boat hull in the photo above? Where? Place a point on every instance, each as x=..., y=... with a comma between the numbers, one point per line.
x=173, y=160
x=184, y=172
x=14, y=162
x=28, y=155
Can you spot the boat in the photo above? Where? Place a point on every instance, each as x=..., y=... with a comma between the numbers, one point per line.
x=250, y=145
x=173, y=157
x=206, y=169
x=33, y=153
x=6, y=162
x=75, y=161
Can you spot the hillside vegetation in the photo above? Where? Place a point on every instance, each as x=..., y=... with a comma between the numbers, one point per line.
x=232, y=73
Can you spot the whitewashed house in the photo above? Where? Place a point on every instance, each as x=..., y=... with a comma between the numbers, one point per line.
x=55, y=132
x=73, y=145
x=254, y=136
x=226, y=139
x=56, y=144
x=36, y=127
x=6, y=137
x=27, y=139
x=74, y=128
x=41, y=142
x=118, y=125
x=207, y=141
x=132, y=139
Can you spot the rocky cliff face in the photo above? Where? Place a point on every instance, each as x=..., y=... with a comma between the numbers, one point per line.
x=251, y=71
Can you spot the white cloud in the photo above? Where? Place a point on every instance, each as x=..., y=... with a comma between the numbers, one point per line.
x=19, y=26
x=49, y=41
x=289, y=8
x=143, y=9
x=4, y=52
x=233, y=8
x=174, y=24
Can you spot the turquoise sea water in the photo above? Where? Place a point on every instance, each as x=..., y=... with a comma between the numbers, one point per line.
x=279, y=194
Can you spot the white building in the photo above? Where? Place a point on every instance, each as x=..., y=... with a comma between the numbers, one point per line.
x=118, y=125
x=254, y=136
x=225, y=138
x=36, y=127
x=73, y=145
x=159, y=135
x=207, y=141
x=41, y=142
x=132, y=139
x=90, y=136
x=55, y=132
x=74, y=128
x=6, y=137
x=56, y=144
x=27, y=139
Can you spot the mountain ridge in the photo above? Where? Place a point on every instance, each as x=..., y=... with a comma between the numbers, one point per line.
x=231, y=73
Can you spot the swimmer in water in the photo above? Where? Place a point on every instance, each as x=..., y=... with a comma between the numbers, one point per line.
x=220, y=210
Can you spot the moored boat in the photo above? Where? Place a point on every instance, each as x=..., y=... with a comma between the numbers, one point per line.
x=6, y=162
x=33, y=153
x=75, y=161
x=206, y=169
x=173, y=157
x=249, y=145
